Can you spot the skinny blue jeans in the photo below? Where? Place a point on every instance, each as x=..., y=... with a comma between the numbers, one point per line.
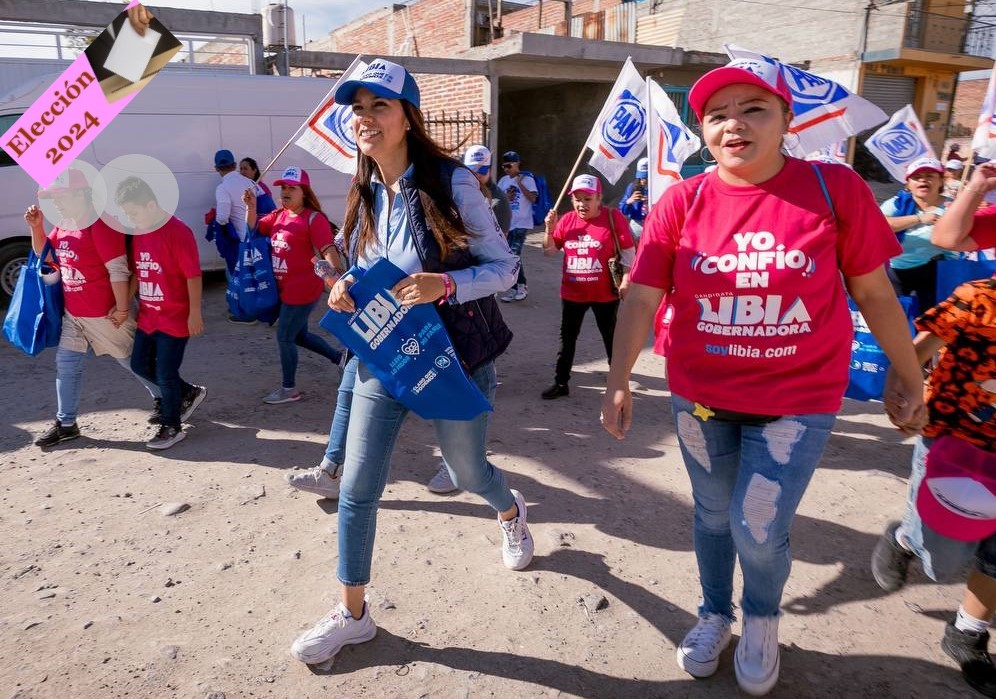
x=375, y=419
x=747, y=481
x=69, y=382
x=335, y=453
x=292, y=332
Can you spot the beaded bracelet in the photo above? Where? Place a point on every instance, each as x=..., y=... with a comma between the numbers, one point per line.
x=447, y=289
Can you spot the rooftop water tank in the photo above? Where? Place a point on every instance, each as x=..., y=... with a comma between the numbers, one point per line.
x=275, y=17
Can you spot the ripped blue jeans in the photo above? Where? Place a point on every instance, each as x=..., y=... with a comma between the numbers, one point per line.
x=747, y=481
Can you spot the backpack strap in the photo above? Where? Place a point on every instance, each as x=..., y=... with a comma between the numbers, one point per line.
x=826, y=191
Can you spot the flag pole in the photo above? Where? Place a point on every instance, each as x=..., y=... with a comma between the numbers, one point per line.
x=321, y=105
x=577, y=164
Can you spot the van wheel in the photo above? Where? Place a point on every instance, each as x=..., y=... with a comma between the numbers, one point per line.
x=13, y=257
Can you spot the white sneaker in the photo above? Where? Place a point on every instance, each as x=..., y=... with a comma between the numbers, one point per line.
x=521, y=292
x=442, y=483
x=757, y=659
x=337, y=629
x=318, y=480
x=509, y=295
x=517, y=548
x=282, y=395
x=698, y=654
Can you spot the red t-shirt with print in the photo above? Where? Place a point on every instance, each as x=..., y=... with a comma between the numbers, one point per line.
x=163, y=261
x=587, y=247
x=761, y=323
x=984, y=228
x=294, y=243
x=82, y=256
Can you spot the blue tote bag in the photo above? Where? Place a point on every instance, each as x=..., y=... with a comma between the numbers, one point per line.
x=953, y=273
x=406, y=348
x=34, y=318
x=869, y=363
x=252, y=289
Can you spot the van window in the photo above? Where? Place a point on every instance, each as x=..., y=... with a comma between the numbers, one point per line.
x=6, y=121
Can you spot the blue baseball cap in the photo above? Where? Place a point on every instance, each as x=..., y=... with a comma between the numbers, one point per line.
x=510, y=157
x=224, y=158
x=384, y=79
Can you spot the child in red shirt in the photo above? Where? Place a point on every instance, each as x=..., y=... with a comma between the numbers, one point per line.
x=589, y=236
x=168, y=281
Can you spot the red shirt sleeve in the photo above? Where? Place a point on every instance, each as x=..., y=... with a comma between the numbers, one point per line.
x=654, y=265
x=265, y=224
x=110, y=244
x=319, y=230
x=984, y=228
x=864, y=239
x=185, y=249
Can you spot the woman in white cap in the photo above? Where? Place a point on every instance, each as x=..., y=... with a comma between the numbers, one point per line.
x=634, y=200
x=424, y=212
x=299, y=233
x=912, y=214
x=752, y=255
x=589, y=236
x=953, y=170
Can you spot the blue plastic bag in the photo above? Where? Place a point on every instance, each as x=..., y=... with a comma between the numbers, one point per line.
x=868, y=361
x=406, y=348
x=953, y=273
x=34, y=318
x=252, y=289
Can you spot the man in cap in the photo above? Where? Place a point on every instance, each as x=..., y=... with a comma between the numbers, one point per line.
x=634, y=200
x=521, y=191
x=230, y=209
x=478, y=161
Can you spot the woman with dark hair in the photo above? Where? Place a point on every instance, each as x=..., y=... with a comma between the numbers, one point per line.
x=413, y=205
x=299, y=232
x=264, y=197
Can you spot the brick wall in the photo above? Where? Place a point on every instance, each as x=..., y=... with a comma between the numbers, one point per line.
x=449, y=94
x=967, y=104
x=528, y=19
x=431, y=28
x=371, y=33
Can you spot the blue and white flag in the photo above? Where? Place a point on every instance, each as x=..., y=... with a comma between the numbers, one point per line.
x=406, y=348
x=328, y=132
x=669, y=142
x=619, y=134
x=825, y=111
x=901, y=141
x=984, y=138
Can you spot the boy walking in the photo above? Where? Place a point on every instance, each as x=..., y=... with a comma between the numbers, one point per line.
x=950, y=516
x=521, y=191
x=168, y=280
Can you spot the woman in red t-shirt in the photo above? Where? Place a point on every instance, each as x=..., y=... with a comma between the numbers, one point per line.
x=588, y=236
x=752, y=255
x=299, y=232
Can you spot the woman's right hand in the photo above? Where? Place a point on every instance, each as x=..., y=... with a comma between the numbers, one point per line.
x=929, y=218
x=634, y=198
x=550, y=221
x=249, y=198
x=33, y=217
x=617, y=411
x=983, y=178
x=339, y=298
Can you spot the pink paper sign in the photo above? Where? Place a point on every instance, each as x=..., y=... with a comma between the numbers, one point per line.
x=61, y=123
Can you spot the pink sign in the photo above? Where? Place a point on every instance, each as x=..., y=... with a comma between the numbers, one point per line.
x=61, y=123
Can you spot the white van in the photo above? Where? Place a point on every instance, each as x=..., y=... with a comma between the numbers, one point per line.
x=181, y=119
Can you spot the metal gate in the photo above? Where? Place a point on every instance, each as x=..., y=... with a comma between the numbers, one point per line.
x=889, y=92
x=455, y=131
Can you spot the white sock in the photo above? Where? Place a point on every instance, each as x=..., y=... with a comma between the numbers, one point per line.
x=966, y=622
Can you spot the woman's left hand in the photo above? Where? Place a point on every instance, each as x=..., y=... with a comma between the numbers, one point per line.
x=423, y=287
x=905, y=408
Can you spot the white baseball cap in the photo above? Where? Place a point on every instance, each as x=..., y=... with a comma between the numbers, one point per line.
x=478, y=160
x=921, y=164
x=384, y=79
x=586, y=183
x=954, y=164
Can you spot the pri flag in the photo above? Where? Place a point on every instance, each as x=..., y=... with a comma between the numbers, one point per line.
x=670, y=142
x=328, y=132
x=901, y=141
x=619, y=134
x=825, y=111
x=984, y=140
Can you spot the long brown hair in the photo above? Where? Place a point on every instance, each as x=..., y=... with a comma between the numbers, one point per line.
x=441, y=212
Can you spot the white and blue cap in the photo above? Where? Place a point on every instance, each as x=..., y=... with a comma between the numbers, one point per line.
x=478, y=160
x=384, y=79
x=643, y=167
x=586, y=183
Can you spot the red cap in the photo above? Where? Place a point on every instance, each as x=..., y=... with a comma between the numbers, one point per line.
x=763, y=74
x=293, y=177
x=957, y=497
x=72, y=180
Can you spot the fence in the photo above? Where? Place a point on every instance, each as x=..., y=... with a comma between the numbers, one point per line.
x=455, y=130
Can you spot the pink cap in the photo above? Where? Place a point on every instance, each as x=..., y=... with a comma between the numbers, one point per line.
x=586, y=183
x=68, y=181
x=921, y=164
x=957, y=497
x=293, y=177
x=763, y=74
